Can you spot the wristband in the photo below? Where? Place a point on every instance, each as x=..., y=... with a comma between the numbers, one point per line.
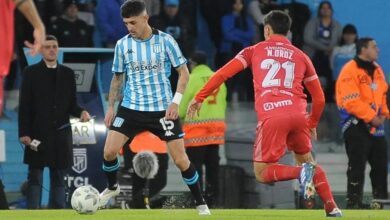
x=177, y=98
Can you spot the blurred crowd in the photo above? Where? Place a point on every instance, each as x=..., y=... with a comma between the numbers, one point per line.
x=232, y=25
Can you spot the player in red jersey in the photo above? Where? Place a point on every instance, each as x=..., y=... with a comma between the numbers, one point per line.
x=279, y=72
x=28, y=9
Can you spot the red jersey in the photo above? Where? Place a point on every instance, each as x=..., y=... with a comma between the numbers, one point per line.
x=279, y=70
x=7, y=35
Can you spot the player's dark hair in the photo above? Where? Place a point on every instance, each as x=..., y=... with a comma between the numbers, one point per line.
x=321, y=5
x=362, y=42
x=242, y=18
x=132, y=8
x=349, y=29
x=51, y=37
x=279, y=21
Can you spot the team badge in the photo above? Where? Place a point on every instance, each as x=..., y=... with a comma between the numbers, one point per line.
x=79, y=160
x=156, y=48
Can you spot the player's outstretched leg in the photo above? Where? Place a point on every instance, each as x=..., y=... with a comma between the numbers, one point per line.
x=270, y=173
x=311, y=177
x=321, y=186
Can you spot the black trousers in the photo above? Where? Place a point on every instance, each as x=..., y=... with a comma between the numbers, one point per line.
x=3, y=198
x=361, y=148
x=208, y=156
x=57, y=188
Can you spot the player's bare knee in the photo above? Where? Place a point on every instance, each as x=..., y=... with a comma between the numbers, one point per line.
x=109, y=154
x=181, y=163
x=259, y=178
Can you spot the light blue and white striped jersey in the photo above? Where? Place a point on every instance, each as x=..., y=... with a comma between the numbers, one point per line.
x=147, y=64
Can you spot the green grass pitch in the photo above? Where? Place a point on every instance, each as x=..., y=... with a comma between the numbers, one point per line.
x=183, y=214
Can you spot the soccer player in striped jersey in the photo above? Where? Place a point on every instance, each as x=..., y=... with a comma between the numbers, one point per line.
x=279, y=72
x=145, y=56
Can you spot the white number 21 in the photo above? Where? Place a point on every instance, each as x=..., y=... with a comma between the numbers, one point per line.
x=273, y=68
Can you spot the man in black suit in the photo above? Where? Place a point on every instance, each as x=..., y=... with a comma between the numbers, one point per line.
x=47, y=99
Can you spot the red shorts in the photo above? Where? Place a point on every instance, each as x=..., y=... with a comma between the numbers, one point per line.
x=276, y=133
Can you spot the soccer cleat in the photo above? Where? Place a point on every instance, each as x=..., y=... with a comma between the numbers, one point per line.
x=106, y=195
x=203, y=209
x=306, y=181
x=336, y=212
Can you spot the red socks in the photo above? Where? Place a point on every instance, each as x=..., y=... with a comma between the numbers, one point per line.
x=323, y=189
x=279, y=172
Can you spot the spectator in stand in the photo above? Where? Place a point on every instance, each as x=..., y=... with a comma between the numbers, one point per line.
x=49, y=9
x=257, y=15
x=109, y=22
x=341, y=54
x=189, y=9
x=237, y=32
x=345, y=51
x=321, y=35
x=69, y=29
x=171, y=21
x=153, y=7
x=257, y=9
x=212, y=12
x=87, y=12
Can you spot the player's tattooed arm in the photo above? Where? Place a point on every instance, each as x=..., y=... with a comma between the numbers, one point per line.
x=115, y=89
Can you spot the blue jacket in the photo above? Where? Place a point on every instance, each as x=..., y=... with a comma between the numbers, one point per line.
x=109, y=20
x=232, y=34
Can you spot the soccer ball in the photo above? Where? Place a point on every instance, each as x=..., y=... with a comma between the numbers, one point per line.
x=85, y=200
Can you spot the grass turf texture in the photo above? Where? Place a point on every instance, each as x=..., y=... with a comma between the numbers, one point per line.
x=182, y=214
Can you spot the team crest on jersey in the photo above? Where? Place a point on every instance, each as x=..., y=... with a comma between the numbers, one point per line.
x=157, y=48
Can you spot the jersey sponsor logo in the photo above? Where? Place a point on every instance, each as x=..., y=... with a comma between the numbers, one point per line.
x=272, y=105
x=118, y=122
x=144, y=66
